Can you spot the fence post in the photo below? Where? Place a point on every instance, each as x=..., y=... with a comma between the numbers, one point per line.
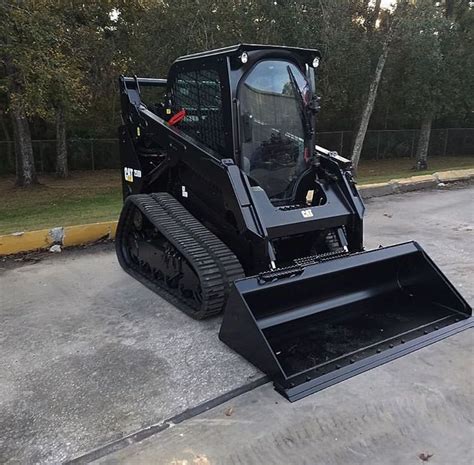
x=378, y=145
x=41, y=148
x=92, y=155
x=445, y=142
x=464, y=137
x=413, y=132
x=11, y=157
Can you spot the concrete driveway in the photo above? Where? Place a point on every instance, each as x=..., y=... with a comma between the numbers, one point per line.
x=90, y=357
x=417, y=406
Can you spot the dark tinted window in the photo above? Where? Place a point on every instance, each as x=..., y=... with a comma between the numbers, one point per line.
x=272, y=128
x=199, y=93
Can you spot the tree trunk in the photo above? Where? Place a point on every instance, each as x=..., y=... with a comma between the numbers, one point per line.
x=369, y=106
x=423, y=142
x=8, y=140
x=61, y=148
x=25, y=164
x=372, y=17
x=449, y=8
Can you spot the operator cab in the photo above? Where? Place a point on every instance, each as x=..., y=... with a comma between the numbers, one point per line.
x=256, y=105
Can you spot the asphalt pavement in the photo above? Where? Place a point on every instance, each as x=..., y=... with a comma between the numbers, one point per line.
x=93, y=361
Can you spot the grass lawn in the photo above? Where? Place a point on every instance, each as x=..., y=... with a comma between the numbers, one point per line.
x=93, y=196
x=86, y=197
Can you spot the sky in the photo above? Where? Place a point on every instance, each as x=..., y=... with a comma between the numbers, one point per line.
x=386, y=3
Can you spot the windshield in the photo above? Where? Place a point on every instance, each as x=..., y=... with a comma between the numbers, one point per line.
x=272, y=126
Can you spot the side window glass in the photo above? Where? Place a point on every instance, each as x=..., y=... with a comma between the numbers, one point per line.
x=199, y=93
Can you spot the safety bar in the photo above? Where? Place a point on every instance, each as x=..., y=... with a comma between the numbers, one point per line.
x=150, y=82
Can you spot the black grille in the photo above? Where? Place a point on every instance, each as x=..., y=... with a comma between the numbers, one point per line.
x=199, y=93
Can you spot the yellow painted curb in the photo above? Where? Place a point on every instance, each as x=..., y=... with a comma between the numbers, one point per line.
x=65, y=237
x=415, y=179
x=454, y=175
x=85, y=233
x=25, y=241
x=372, y=185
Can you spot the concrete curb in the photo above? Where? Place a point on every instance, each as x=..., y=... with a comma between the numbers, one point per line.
x=68, y=236
x=414, y=183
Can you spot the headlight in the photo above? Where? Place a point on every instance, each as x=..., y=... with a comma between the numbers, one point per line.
x=316, y=62
x=244, y=58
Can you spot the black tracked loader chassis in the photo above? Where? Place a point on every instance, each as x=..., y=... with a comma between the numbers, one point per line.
x=165, y=248
x=228, y=141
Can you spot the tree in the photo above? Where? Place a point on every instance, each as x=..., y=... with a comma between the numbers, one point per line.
x=428, y=67
x=25, y=163
x=50, y=48
x=420, y=88
x=72, y=35
x=16, y=33
x=370, y=22
x=335, y=27
x=6, y=134
x=369, y=105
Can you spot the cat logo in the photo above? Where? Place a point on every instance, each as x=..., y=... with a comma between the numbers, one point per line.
x=307, y=213
x=130, y=173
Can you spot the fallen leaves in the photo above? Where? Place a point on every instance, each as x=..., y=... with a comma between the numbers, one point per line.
x=197, y=460
x=229, y=411
x=424, y=457
x=201, y=460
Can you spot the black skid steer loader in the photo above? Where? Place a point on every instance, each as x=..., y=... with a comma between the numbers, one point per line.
x=230, y=205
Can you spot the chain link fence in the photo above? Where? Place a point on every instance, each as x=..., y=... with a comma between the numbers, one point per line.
x=96, y=154
x=399, y=143
x=83, y=154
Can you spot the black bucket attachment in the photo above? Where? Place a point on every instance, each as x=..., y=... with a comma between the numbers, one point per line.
x=311, y=327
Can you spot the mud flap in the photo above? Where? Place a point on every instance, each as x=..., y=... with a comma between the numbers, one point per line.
x=314, y=326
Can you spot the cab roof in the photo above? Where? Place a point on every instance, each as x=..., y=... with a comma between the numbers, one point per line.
x=235, y=50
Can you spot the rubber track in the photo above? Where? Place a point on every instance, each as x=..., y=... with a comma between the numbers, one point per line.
x=214, y=263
